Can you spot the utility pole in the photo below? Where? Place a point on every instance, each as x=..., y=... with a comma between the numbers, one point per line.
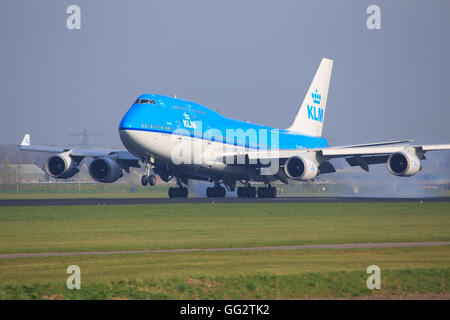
x=84, y=134
x=17, y=178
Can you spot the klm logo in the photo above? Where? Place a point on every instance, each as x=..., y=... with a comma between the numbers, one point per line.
x=187, y=122
x=315, y=112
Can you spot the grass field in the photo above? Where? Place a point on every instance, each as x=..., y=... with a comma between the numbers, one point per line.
x=128, y=190
x=131, y=190
x=273, y=274
x=65, y=190
x=125, y=190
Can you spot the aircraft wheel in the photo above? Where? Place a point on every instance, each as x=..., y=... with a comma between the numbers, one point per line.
x=261, y=193
x=180, y=192
x=184, y=192
x=273, y=192
x=241, y=192
x=144, y=180
x=222, y=192
x=245, y=192
x=151, y=180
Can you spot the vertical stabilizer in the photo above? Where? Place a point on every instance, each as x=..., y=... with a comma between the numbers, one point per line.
x=26, y=141
x=310, y=116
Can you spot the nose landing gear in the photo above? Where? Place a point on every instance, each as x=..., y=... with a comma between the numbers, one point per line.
x=148, y=178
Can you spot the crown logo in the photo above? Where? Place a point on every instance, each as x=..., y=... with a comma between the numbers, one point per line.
x=316, y=97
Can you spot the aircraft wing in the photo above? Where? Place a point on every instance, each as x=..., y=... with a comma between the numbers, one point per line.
x=355, y=155
x=373, y=144
x=342, y=152
x=329, y=152
x=121, y=155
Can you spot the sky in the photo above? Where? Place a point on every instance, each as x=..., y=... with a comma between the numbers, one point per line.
x=250, y=60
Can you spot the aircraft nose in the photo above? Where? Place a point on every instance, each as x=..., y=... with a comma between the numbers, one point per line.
x=129, y=123
x=127, y=138
x=129, y=120
x=125, y=123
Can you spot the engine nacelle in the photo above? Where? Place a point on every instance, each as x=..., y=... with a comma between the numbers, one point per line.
x=61, y=166
x=403, y=164
x=299, y=168
x=105, y=170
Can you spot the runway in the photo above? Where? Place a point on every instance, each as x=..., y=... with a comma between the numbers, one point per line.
x=298, y=247
x=134, y=201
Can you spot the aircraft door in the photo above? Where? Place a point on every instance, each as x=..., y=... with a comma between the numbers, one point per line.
x=178, y=130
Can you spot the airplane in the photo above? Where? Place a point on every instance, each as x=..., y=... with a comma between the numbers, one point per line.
x=183, y=140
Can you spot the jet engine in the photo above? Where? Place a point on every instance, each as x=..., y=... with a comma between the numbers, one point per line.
x=105, y=170
x=62, y=166
x=403, y=164
x=300, y=168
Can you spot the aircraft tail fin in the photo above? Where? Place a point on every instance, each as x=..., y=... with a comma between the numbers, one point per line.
x=310, y=116
x=25, y=141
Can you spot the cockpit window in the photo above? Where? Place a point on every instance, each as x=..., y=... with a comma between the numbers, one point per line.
x=142, y=101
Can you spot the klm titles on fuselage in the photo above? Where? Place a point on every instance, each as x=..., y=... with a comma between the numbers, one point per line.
x=187, y=122
x=315, y=112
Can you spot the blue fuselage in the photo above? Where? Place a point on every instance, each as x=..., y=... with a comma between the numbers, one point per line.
x=161, y=114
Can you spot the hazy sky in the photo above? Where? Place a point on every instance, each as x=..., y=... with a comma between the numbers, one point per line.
x=250, y=60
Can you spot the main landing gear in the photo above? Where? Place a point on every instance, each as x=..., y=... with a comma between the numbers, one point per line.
x=217, y=191
x=246, y=192
x=267, y=192
x=178, y=192
x=250, y=192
